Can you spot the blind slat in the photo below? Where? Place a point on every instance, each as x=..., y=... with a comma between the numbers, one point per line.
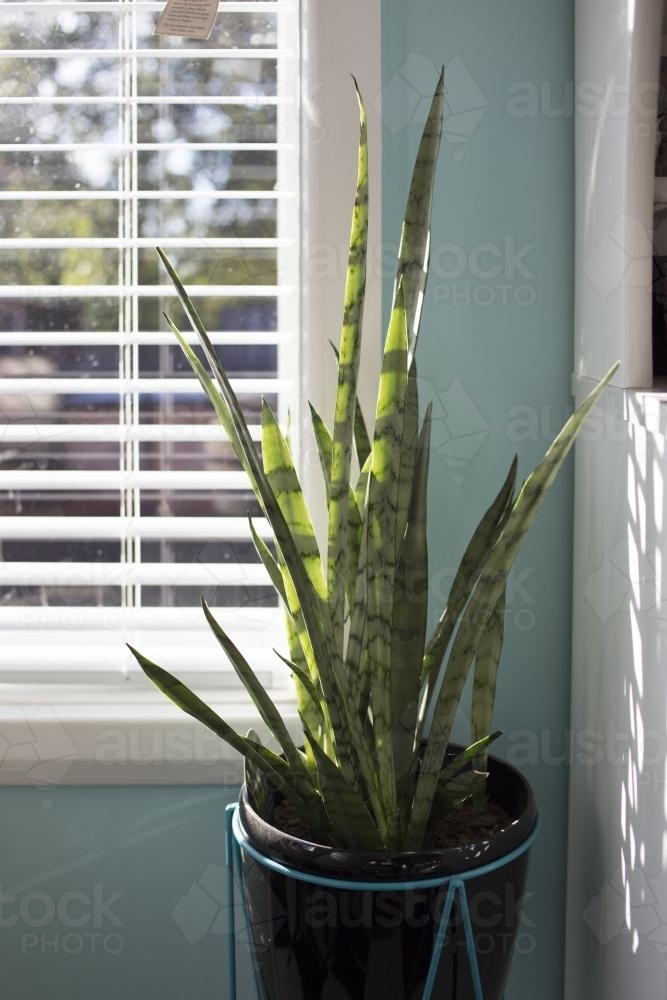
x=77, y=480
x=250, y=625
x=129, y=196
x=140, y=242
x=251, y=102
x=172, y=53
x=97, y=528
x=81, y=574
x=84, y=386
x=109, y=6
x=137, y=147
x=31, y=433
x=146, y=291
x=87, y=338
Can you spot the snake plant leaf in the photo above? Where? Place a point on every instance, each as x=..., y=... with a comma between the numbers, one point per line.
x=347, y=813
x=486, y=673
x=263, y=703
x=309, y=611
x=324, y=447
x=413, y=253
x=346, y=393
x=467, y=756
x=314, y=693
x=483, y=539
x=361, y=489
x=383, y=492
x=466, y=785
x=408, y=457
x=362, y=441
x=324, y=444
x=357, y=659
x=480, y=607
x=282, y=477
x=311, y=706
x=305, y=605
x=269, y=562
x=408, y=625
x=254, y=780
x=274, y=767
x=207, y=384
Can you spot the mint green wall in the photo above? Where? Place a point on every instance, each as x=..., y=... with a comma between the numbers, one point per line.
x=151, y=929
x=505, y=176
x=510, y=178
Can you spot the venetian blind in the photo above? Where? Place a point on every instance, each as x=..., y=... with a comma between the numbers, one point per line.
x=120, y=501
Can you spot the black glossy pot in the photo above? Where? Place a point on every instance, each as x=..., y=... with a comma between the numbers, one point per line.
x=312, y=942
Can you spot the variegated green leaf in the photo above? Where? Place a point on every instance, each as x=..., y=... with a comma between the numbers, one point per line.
x=347, y=813
x=254, y=779
x=484, y=538
x=481, y=606
x=465, y=786
x=467, y=756
x=282, y=477
x=263, y=703
x=381, y=554
x=357, y=659
x=346, y=394
x=274, y=767
x=408, y=625
x=311, y=688
x=324, y=447
x=362, y=441
x=413, y=254
x=486, y=672
x=269, y=562
x=311, y=710
x=246, y=452
x=307, y=609
x=407, y=457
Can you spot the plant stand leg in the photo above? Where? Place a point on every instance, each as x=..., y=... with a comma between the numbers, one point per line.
x=455, y=888
x=470, y=940
x=230, y=841
x=439, y=942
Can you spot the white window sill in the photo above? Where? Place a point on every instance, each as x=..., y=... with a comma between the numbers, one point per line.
x=107, y=739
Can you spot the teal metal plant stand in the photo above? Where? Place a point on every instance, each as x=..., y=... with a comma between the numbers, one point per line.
x=237, y=842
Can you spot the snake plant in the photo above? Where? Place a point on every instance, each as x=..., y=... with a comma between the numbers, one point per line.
x=376, y=697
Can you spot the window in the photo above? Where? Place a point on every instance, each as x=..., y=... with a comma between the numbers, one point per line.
x=120, y=500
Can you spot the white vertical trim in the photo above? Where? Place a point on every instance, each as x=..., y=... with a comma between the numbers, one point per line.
x=288, y=255
x=337, y=46
x=617, y=56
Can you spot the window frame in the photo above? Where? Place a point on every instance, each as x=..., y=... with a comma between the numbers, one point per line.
x=106, y=736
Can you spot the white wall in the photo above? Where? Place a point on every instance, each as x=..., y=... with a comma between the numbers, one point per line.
x=617, y=885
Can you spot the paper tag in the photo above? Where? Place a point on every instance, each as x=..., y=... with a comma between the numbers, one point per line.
x=187, y=18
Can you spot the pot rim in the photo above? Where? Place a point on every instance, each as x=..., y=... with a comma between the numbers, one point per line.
x=333, y=862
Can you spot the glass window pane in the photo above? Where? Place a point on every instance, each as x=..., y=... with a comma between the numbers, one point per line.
x=58, y=171
x=211, y=77
x=186, y=169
